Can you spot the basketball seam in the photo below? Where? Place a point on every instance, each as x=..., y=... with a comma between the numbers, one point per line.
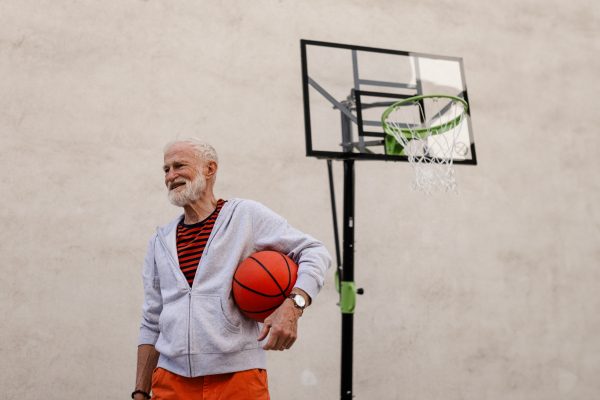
x=272, y=277
x=257, y=312
x=289, y=272
x=254, y=291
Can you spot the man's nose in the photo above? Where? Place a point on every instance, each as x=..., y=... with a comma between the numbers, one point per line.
x=171, y=175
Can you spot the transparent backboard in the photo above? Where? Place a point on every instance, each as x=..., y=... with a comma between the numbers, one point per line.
x=347, y=88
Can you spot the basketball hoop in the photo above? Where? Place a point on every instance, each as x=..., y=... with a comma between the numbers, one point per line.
x=429, y=143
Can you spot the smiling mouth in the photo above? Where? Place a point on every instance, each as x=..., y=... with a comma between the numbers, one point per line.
x=176, y=185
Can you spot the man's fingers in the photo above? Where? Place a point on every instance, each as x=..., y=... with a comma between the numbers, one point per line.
x=281, y=327
x=280, y=342
x=273, y=338
x=289, y=343
x=285, y=345
x=264, y=332
x=290, y=338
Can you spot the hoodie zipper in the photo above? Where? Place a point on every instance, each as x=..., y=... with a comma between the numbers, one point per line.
x=162, y=241
x=189, y=329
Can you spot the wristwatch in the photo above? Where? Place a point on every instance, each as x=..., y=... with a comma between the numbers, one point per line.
x=299, y=301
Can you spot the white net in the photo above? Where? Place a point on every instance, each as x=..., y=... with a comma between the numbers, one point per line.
x=427, y=129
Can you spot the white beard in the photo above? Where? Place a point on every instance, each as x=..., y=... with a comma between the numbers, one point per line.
x=192, y=191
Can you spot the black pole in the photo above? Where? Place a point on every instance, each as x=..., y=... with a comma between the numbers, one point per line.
x=335, y=224
x=348, y=276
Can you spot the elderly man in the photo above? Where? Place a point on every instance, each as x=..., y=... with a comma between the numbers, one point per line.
x=195, y=343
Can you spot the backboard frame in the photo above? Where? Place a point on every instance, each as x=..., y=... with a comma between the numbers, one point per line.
x=358, y=118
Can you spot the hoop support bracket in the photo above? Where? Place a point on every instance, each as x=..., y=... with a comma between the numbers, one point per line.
x=347, y=297
x=348, y=292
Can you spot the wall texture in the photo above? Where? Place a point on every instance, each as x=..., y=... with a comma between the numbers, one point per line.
x=491, y=294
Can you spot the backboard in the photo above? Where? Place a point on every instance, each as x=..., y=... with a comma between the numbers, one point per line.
x=347, y=88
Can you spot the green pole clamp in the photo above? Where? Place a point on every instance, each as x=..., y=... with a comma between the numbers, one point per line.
x=347, y=291
x=347, y=297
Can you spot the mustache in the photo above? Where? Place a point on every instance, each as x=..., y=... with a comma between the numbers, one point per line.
x=177, y=181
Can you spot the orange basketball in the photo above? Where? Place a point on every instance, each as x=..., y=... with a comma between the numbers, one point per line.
x=262, y=282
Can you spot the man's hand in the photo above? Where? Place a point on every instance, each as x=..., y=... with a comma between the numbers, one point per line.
x=283, y=324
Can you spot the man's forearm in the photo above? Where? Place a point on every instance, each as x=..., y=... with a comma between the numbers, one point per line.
x=146, y=362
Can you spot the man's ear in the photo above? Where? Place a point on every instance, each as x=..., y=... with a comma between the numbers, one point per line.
x=211, y=169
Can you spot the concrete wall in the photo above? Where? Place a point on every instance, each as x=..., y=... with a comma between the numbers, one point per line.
x=492, y=294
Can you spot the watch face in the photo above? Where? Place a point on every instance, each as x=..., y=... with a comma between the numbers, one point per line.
x=299, y=299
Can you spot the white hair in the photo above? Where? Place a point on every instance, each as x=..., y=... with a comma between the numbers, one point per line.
x=204, y=151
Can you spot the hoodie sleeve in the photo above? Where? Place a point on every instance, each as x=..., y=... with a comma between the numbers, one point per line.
x=272, y=232
x=152, y=306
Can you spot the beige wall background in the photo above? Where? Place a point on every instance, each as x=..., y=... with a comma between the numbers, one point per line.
x=491, y=294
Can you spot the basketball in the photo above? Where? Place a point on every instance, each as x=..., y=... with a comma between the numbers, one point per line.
x=262, y=282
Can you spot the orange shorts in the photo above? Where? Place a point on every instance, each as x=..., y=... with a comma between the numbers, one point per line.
x=251, y=385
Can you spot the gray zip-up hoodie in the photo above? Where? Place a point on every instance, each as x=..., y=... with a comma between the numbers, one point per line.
x=200, y=330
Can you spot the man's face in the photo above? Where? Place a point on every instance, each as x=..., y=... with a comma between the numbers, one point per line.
x=184, y=176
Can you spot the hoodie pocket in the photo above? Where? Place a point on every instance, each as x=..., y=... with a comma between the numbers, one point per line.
x=211, y=331
x=173, y=324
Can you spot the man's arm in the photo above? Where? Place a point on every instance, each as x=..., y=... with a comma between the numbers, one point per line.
x=272, y=232
x=149, y=330
x=283, y=324
x=146, y=362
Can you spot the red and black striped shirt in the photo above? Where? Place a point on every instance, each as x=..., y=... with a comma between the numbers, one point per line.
x=191, y=240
